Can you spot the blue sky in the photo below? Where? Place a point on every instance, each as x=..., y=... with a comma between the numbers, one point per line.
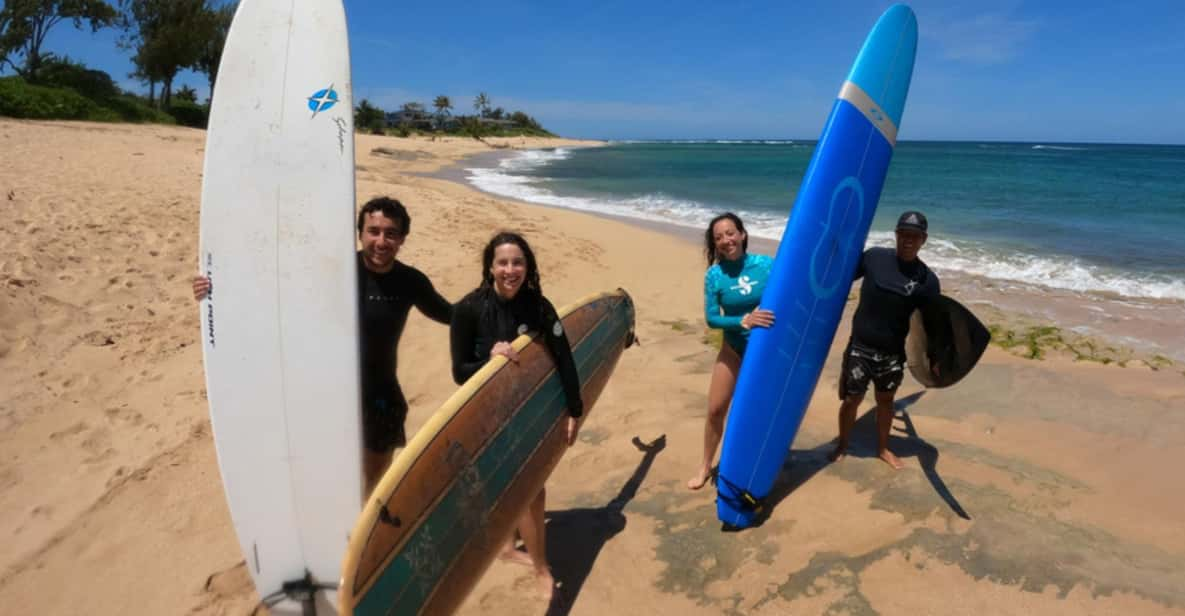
x=1013, y=71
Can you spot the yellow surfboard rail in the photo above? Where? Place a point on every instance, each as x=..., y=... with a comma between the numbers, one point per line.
x=376, y=502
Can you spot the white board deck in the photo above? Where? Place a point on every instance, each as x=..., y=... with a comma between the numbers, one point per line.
x=280, y=327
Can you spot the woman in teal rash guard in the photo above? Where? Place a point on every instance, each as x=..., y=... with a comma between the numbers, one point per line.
x=733, y=286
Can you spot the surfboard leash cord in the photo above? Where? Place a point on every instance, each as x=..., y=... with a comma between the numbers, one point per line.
x=744, y=500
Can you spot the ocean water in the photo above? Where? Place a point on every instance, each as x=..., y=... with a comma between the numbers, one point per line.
x=1095, y=219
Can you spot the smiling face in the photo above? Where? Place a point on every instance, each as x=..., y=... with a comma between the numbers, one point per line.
x=730, y=241
x=909, y=242
x=381, y=239
x=509, y=270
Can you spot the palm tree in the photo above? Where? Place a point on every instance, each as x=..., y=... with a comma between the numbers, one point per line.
x=481, y=104
x=442, y=105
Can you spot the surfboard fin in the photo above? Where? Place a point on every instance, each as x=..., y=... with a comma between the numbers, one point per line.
x=302, y=591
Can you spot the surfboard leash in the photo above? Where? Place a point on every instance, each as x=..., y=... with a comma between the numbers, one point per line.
x=743, y=501
x=303, y=591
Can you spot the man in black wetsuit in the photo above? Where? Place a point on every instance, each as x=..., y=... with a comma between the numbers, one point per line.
x=896, y=282
x=387, y=290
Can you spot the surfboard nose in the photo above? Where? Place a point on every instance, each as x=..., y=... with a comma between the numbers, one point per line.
x=885, y=63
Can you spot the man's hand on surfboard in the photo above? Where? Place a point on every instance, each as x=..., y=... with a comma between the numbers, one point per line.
x=201, y=287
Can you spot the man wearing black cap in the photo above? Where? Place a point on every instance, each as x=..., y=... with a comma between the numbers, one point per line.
x=896, y=282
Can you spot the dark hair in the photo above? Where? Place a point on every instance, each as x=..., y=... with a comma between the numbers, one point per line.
x=487, y=260
x=391, y=208
x=710, y=239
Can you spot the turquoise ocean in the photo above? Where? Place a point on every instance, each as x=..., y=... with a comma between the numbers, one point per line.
x=1105, y=220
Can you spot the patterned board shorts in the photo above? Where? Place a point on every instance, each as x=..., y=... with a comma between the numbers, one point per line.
x=861, y=365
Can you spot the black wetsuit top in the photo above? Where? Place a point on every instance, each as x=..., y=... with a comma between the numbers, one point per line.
x=891, y=290
x=482, y=318
x=384, y=303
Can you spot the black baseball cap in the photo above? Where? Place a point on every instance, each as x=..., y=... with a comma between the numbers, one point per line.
x=912, y=220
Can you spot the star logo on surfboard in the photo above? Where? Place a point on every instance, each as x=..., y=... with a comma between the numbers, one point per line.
x=322, y=100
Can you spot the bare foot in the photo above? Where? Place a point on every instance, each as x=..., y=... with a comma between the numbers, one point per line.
x=515, y=555
x=837, y=454
x=891, y=460
x=700, y=479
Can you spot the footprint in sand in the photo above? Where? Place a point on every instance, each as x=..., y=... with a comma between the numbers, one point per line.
x=123, y=415
x=230, y=582
x=9, y=477
x=71, y=431
x=98, y=445
x=97, y=338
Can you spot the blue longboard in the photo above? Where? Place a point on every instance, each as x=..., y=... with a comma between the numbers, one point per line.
x=813, y=270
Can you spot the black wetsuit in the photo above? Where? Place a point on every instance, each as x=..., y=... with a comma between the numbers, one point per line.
x=482, y=318
x=385, y=300
x=891, y=291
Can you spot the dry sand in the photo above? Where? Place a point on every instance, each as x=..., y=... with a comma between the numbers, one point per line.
x=1032, y=487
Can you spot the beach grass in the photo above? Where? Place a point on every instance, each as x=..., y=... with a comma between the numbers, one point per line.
x=1037, y=341
x=679, y=325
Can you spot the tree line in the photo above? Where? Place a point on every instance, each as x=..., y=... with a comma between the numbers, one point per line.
x=486, y=120
x=165, y=37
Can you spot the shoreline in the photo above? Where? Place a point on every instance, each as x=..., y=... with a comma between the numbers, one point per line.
x=1128, y=331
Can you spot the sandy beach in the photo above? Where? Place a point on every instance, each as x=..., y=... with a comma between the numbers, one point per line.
x=1035, y=486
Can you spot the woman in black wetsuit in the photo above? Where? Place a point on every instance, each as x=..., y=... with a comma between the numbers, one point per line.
x=508, y=303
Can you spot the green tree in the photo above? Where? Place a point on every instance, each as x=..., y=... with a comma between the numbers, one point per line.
x=217, y=24
x=443, y=105
x=369, y=118
x=481, y=104
x=187, y=94
x=525, y=121
x=167, y=36
x=25, y=23
x=473, y=126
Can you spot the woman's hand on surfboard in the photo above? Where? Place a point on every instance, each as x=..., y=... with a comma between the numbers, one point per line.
x=201, y=287
x=505, y=349
x=758, y=318
x=573, y=429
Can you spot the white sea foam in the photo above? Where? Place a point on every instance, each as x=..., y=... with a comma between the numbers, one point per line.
x=943, y=254
x=1064, y=148
x=1057, y=272
x=657, y=207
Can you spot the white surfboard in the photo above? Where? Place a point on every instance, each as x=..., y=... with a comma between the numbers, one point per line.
x=280, y=326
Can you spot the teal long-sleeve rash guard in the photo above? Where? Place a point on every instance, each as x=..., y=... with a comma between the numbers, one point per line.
x=732, y=289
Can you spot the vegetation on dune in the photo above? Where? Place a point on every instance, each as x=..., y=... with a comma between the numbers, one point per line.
x=414, y=118
x=1036, y=341
x=164, y=36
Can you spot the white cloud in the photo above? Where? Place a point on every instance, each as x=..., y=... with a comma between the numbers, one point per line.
x=986, y=38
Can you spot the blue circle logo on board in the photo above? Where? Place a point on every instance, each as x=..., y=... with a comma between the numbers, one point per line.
x=323, y=100
x=836, y=238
